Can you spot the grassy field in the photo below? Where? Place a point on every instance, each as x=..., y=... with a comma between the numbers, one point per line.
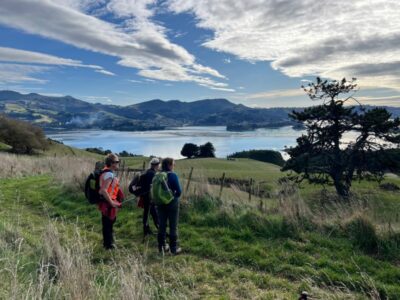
x=234, y=247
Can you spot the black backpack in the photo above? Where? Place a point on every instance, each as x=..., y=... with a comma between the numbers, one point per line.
x=136, y=187
x=92, y=186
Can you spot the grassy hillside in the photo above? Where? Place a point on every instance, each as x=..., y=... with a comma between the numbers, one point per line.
x=234, y=248
x=4, y=147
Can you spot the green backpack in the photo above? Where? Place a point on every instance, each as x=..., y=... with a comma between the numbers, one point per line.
x=160, y=191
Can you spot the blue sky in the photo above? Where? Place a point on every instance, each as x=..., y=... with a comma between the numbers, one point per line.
x=254, y=52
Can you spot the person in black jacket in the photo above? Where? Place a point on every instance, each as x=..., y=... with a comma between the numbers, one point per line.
x=148, y=204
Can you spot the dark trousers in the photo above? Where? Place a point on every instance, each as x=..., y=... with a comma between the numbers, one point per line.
x=149, y=207
x=108, y=235
x=168, y=213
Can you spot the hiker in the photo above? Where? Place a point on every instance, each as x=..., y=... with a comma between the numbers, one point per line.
x=148, y=204
x=112, y=198
x=168, y=212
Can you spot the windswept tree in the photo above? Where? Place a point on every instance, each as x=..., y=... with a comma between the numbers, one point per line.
x=326, y=154
x=190, y=150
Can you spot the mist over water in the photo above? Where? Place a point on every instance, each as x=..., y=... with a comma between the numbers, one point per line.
x=170, y=142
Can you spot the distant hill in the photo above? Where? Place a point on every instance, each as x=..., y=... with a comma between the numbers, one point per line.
x=70, y=113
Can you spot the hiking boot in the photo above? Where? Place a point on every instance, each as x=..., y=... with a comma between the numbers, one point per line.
x=164, y=248
x=177, y=251
x=109, y=247
x=147, y=231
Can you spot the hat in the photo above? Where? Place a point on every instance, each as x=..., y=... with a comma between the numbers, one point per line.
x=155, y=161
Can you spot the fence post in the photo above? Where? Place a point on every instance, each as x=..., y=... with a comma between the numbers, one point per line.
x=250, y=188
x=222, y=185
x=144, y=165
x=189, y=179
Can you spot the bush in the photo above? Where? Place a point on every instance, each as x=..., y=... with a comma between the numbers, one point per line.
x=269, y=156
x=23, y=137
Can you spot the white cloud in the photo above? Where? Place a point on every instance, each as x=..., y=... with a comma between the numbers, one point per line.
x=99, y=99
x=137, y=41
x=105, y=72
x=15, y=73
x=388, y=100
x=277, y=94
x=23, y=56
x=220, y=88
x=332, y=39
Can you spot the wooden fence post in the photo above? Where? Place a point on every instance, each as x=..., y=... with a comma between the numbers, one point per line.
x=250, y=188
x=144, y=165
x=189, y=179
x=222, y=185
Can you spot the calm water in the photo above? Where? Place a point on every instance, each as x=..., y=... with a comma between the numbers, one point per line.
x=169, y=142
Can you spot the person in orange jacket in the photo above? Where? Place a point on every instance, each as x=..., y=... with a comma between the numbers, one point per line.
x=112, y=199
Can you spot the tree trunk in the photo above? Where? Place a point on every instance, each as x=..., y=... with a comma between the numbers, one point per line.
x=342, y=189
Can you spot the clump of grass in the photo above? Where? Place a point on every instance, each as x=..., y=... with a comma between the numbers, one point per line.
x=290, y=203
x=362, y=233
x=389, y=246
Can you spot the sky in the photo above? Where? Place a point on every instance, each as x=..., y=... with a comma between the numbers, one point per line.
x=254, y=52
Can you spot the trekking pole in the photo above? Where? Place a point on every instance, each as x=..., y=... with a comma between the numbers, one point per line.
x=128, y=200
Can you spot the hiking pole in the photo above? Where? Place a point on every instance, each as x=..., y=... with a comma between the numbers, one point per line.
x=128, y=200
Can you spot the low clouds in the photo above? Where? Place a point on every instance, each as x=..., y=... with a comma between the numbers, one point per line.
x=333, y=39
x=136, y=40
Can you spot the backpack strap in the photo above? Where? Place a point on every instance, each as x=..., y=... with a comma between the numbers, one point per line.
x=106, y=171
x=166, y=183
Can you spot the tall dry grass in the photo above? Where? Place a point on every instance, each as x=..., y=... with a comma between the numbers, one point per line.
x=67, y=170
x=63, y=269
